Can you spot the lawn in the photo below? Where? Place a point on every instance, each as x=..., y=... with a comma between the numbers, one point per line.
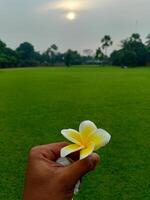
x=35, y=104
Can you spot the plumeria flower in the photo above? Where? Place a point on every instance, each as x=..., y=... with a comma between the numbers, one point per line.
x=88, y=139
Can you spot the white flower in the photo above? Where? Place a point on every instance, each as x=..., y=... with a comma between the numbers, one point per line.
x=88, y=139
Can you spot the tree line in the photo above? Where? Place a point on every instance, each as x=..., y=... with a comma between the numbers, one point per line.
x=132, y=52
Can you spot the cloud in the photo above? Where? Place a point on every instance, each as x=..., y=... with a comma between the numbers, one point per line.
x=43, y=22
x=72, y=5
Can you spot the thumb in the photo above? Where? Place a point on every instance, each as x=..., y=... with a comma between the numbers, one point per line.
x=82, y=167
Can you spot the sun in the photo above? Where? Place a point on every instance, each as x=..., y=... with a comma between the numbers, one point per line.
x=71, y=16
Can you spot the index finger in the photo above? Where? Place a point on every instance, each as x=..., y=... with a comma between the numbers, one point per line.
x=49, y=151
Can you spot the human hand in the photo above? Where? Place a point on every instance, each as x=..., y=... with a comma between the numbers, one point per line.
x=47, y=180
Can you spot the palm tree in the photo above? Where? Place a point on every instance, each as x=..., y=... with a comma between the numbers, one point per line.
x=106, y=42
x=51, y=52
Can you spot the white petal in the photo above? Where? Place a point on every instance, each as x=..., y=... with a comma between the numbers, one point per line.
x=87, y=124
x=72, y=135
x=86, y=151
x=104, y=138
x=70, y=149
x=86, y=128
x=63, y=161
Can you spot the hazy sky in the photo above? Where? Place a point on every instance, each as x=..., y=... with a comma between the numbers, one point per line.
x=43, y=22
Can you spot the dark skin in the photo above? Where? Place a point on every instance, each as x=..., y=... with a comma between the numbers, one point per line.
x=47, y=180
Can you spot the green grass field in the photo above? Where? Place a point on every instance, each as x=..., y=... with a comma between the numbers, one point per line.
x=35, y=104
